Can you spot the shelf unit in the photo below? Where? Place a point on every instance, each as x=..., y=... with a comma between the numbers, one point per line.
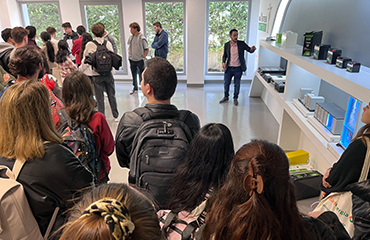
x=335, y=84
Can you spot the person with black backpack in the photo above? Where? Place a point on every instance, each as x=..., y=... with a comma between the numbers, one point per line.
x=101, y=74
x=153, y=140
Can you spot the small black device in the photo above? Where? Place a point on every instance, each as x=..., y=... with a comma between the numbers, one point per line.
x=353, y=67
x=280, y=86
x=321, y=51
x=333, y=54
x=267, y=77
x=277, y=70
x=342, y=62
x=307, y=183
x=310, y=40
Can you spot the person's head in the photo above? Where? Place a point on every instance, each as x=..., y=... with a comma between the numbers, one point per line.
x=78, y=96
x=205, y=166
x=120, y=209
x=26, y=121
x=19, y=35
x=45, y=36
x=52, y=31
x=234, y=35
x=365, y=118
x=86, y=37
x=80, y=30
x=159, y=79
x=258, y=199
x=26, y=63
x=67, y=27
x=31, y=32
x=98, y=30
x=7, y=36
x=63, y=51
x=134, y=27
x=157, y=27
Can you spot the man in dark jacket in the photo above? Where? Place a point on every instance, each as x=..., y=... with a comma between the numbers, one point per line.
x=160, y=43
x=6, y=48
x=158, y=86
x=233, y=63
x=69, y=36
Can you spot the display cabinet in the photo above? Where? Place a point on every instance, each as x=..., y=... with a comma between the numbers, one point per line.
x=297, y=130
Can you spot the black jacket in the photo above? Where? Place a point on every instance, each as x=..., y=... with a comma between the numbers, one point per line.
x=242, y=46
x=50, y=182
x=130, y=122
x=73, y=36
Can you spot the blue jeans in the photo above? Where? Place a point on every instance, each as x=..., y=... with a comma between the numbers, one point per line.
x=135, y=66
x=230, y=72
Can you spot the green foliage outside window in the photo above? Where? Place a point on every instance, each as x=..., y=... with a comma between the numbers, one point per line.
x=43, y=15
x=171, y=16
x=224, y=16
x=109, y=16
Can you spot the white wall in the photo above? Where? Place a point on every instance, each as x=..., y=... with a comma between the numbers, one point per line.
x=195, y=18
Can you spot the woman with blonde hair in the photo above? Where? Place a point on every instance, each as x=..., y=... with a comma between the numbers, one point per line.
x=112, y=212
x=51, y=173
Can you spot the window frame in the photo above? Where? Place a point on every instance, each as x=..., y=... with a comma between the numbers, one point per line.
x=217, y=75
x=122, y=33
x=184, y=28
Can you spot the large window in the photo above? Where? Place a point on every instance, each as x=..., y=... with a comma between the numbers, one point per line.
x=171, y=16
x=222, y=17
x=41, y=16
x=110, y=15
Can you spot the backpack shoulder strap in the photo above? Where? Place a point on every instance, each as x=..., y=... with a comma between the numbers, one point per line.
x=18, y=165
x=145, y=113
x=183, y=114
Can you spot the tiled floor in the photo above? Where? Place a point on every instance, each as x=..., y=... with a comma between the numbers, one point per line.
x=251, y=119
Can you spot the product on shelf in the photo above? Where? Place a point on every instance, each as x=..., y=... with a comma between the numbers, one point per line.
x=298, y=157
x=302, y=92
x=352, y=121
x=333, y=54
x=321, y=51
x=310, y=101
x=353, y=67
x=267, y=77
x=331, y=116
x=306, y=181
x=279, y=86
x=274, y=69
x=310, y=40
x=289, y=39
x=342, y=62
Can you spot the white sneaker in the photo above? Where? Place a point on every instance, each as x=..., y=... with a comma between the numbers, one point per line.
x=116, y=119
x=132, y=91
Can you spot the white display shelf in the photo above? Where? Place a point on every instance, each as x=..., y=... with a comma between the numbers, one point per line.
x=323, y=130
x=355, y=84
x=305, y=112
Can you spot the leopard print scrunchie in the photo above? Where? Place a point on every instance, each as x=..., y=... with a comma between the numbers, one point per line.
x=115, y=215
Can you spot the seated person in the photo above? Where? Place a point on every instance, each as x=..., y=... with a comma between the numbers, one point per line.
x=112, y=211
x=258, y=201
x=52, y=174
x=199, y=178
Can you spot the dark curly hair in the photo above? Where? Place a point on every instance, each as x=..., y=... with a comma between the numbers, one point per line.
x=25, y=62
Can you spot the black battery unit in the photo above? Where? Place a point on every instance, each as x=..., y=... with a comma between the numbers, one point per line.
x=342, y=62
x=353, y=67
x=280, y=86
x=267, y=77
x=321, y=51
x=307, y=184
x=333, y=54
x=310, y=40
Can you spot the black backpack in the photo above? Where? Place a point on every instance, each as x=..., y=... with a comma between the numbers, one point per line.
x=160, y=144
x=80, y=139
x=103, y=59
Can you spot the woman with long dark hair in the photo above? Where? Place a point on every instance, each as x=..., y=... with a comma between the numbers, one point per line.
x=202, y=173
x=49, y=49
x=258, y=201
x=84, y=67
x=65, y=64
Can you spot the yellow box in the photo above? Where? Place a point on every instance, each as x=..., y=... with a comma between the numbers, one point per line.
x=298, y=157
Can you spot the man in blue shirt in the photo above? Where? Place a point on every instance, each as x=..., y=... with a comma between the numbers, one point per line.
x=160, y=43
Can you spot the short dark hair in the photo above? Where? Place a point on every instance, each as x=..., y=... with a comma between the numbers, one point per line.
x=80, y=30
x=101, y=24
x=157, y=24
x=135, y=25
x=18, y=33
x=31, y=31
x=98, y=30
x=51, y=30
x=233, y=30
x=25, y=62
x=6, y=34
x=67, y=25
x=161, y=76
